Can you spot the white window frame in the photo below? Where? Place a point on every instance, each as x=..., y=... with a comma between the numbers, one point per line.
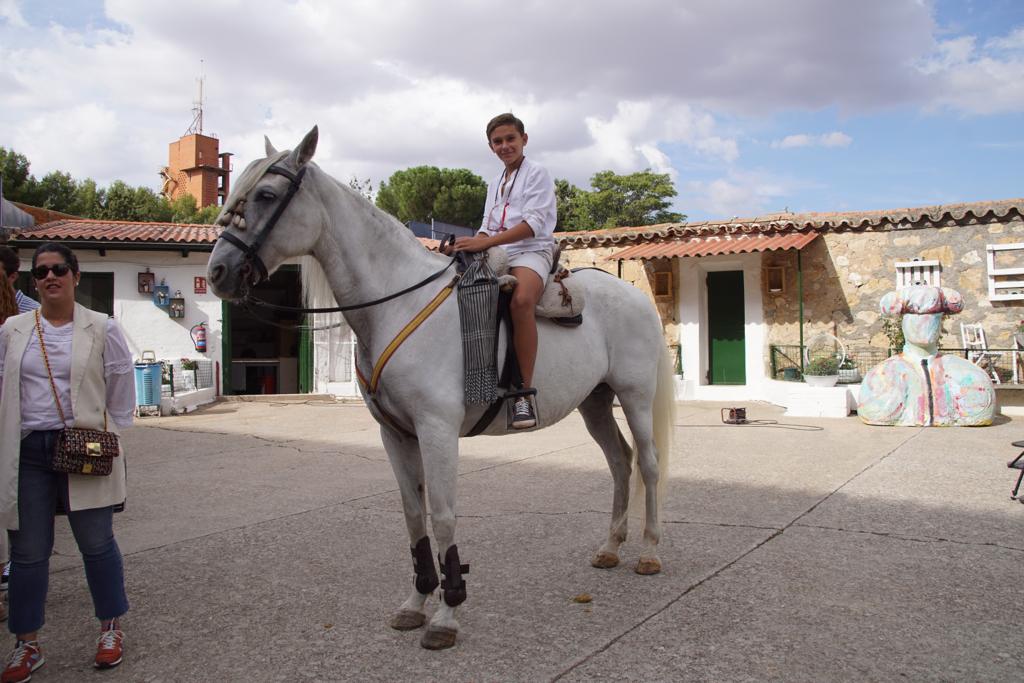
x=1005, y=290
x=918, y=272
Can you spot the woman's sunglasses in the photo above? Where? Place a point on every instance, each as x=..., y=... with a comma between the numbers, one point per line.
x=59, y=270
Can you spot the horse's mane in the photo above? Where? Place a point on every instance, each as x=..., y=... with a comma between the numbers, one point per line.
x=316, y=290
x=250, y=176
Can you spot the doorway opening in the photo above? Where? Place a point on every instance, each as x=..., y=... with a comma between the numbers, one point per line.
x=266, y=351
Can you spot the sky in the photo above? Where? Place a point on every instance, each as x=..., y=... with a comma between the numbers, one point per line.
x=751, y=106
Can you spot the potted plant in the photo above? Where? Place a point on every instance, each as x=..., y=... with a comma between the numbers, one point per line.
x=188, y=374
x=892, y=327
x=822, y=371
x=848, y=371
x=1018, y=334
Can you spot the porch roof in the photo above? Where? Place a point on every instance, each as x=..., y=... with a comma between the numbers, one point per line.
x=714, y=245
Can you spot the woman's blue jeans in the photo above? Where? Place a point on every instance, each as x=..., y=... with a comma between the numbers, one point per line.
x=31, y=546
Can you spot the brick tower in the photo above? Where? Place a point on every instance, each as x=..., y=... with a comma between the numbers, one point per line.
x=196, y=166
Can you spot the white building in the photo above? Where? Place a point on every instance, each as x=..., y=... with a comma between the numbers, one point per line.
x=252, y=351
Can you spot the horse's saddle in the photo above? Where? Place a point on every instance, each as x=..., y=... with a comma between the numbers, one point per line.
x=563, y=298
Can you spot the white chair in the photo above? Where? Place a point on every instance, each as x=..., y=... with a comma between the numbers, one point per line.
x=973, y=336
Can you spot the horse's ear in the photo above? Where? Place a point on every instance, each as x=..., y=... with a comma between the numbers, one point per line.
x=269, y=146
x=304, y=152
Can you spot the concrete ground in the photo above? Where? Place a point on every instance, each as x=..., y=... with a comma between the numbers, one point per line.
x=265, y=541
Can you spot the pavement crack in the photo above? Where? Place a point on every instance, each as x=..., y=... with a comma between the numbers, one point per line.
x=776, y=532
x=689, y=589
x=912, y=539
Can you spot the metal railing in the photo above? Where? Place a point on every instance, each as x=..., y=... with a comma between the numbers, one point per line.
x=176, y=379
x=784, y=361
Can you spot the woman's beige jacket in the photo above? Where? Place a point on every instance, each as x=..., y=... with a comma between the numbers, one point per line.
x=88, y=401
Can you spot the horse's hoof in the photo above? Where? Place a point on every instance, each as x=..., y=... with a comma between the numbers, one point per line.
x=605, y=560
x=438, y=637
x=408, y=620
x=648, y=566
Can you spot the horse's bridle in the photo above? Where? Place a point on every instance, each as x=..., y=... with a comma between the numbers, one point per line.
x=251, y=250
x=250, y=253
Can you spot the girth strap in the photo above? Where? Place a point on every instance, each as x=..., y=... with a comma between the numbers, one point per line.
x=371, y=385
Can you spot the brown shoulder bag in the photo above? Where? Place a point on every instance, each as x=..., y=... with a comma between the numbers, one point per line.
x=78, y=450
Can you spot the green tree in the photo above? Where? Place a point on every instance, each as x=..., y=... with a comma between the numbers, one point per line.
x=573, y=206
x=126, y=203
x=57, y=191
x=640, y=198
x=423, y=193
x=14, y=168
x=184, y=209
x=89, y=199
x=207, y=214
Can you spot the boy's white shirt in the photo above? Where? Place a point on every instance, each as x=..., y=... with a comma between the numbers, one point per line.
x=531, y=198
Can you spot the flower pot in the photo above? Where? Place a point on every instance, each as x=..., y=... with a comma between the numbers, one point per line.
x=849, y=376
x=821, y=380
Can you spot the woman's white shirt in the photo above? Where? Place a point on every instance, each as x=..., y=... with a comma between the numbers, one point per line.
x=528, y=195
x=38, y=410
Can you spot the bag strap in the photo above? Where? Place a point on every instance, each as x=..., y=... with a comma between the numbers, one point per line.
x=49, y=373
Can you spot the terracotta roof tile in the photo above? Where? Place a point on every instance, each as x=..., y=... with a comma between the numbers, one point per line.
x=87, y=230
x=784, y=222
x=713, y=245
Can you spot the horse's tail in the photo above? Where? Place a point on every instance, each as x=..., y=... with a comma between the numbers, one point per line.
x=664, y=414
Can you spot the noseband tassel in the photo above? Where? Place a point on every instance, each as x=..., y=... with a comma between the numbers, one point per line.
x=250, y=251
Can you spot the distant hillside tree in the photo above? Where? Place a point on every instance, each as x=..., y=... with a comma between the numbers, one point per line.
x=423, y=193
x=641, y=198
x=126, y=203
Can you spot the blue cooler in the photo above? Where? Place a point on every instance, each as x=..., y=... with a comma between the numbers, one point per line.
x=147, y=380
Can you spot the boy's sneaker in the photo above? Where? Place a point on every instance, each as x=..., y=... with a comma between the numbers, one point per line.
x=26, y=658
x=522, y=413
x=109, y=649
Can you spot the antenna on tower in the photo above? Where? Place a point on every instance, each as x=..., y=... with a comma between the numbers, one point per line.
x=197, y=106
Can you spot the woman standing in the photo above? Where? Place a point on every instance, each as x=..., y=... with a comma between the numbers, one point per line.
x=8, y=307
x=91, y=369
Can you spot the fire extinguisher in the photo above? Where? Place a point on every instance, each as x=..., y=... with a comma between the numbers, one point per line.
x=198, y=333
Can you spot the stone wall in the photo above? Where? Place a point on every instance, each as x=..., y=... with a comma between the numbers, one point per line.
x=846, y=273
x=637, y=273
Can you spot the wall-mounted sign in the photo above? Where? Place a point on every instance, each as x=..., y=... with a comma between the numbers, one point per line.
x=200, y=285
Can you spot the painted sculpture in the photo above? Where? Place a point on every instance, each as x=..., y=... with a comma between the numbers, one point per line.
x=921, y=387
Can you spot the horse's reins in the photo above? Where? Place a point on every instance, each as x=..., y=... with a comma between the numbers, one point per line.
x=251, y=255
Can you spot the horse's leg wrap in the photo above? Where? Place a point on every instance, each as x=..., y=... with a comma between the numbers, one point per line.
x=453, y=585
x=423, y=564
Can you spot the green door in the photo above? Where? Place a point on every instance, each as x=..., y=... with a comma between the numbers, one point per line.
x=306, y=357
x=225, y=348
x=726, y=347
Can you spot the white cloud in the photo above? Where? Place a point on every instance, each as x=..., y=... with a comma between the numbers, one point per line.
x=9, y=12
x=985, y=80
x=833, y=139
x=740, y=193
x=600, y=83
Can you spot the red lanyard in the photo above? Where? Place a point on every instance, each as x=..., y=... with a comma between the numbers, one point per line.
x=508, y=197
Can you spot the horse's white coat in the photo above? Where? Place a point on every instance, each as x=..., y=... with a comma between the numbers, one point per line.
x=366, y=254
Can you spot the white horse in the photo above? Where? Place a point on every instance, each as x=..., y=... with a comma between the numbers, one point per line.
x=366, y=255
